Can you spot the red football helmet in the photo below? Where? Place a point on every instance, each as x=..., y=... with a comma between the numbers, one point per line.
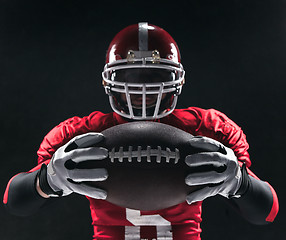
x=143, y=75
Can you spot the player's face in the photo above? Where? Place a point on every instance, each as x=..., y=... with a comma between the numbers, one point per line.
x=147, y=76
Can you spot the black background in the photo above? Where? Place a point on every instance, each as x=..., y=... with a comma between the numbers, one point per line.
x=51, y=58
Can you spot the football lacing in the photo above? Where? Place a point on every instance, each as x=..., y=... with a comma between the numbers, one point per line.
x=149, y=152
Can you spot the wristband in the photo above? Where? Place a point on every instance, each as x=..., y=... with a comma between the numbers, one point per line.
x=245, y=182
x=44, y=185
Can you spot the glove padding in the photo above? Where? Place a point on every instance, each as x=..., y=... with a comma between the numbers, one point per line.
x=223, y=179
x=64, y=177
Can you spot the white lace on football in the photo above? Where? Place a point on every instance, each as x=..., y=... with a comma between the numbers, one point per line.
x=137, y=154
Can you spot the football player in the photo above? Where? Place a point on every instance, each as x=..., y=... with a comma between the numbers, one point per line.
x=143, y=78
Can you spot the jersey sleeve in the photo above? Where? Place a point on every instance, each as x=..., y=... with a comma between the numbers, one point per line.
x=218, y=126
x=57, y=137
x=68, y=129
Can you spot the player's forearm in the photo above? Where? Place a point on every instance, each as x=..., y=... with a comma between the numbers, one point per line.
x=21, y=195
x=258, y=202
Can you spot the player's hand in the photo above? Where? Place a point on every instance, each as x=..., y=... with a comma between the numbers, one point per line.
x=62, y=175
x=224, y=177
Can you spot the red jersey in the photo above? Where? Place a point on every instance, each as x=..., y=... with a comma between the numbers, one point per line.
x=175, y=223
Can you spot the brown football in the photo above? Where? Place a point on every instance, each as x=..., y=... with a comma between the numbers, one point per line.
x=146, y=165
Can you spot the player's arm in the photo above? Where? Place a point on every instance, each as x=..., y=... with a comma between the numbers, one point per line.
x=255, y=199
x=258, y=201
x=27, y=192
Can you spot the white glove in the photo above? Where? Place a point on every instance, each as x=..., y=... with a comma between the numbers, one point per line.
x=64, y=177
x=226, y=181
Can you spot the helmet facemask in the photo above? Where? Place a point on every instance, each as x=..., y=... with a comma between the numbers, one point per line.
x=143, y=88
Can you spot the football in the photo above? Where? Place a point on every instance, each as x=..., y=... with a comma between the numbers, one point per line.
x=146, y=165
